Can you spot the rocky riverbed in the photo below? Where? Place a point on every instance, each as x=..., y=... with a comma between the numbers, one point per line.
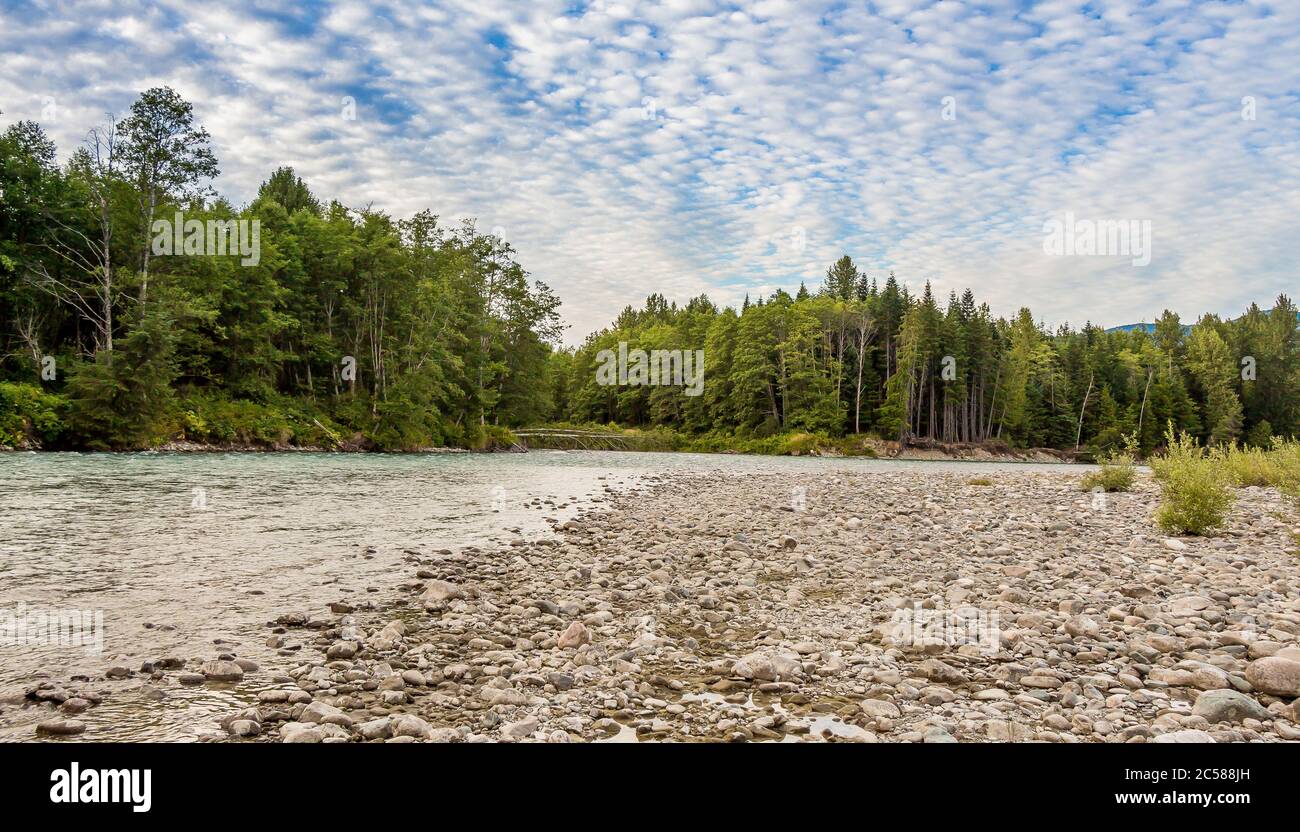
x=796, y=607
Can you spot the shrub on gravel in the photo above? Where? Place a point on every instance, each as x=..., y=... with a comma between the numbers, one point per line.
x=1195, y=487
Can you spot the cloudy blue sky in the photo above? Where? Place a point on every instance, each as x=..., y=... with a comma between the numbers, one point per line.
x=689, y=146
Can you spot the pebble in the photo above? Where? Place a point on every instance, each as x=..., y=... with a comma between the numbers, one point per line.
x=60, y=727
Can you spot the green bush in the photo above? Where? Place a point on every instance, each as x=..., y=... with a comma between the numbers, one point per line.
x=1286, y=464
x=1252, y=466
x=798, y=443
x=803, y=444
x=30, y=416
x=795, y=443
x=403, y=425
x=1278, y=467
x=209, y=418
x=495, y=437
x=1194, y=484
x=1110, y=478
x=1118, y=470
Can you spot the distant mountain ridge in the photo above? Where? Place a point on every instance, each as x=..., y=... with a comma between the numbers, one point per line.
x=1152, y=327
x=1141, y=327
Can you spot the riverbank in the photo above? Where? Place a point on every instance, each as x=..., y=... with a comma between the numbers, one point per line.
x=185, y=446
x=791, y=443
x=889, y=450
x=33, y=420
x=797, y=606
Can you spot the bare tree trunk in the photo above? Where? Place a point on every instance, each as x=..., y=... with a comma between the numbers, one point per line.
x=92, y=294
x=28, y=332
x=857, y=398
x=1078, y=438
x=148, y=225
x=866, y=330
x=1143, y=410
x=993, y=404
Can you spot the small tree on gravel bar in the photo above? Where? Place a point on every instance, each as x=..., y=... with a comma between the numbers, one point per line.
x=1118, y=469
x=1195, y=487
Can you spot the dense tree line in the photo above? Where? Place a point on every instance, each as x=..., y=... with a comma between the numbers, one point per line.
x=349, y=326
x=857, y=357
x=354, y=328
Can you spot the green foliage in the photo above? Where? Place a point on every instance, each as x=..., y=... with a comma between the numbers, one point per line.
x=796, y=443
x=1118, y=470
x=1278, y=467
x=801, y=444
x=495, y=437
x=1251, y=466
x=210, y=419
x=1260, y=436
x=399, y=334
x=1210, y=361
x=163, y=151
x=1195, y=487
x=843, y=362
x=30, y=416
x=1110, y=478
x=124, y=399
x=288, y=189
x=1286, y=456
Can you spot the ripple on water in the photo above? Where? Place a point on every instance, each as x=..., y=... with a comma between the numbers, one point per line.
x=182, y=714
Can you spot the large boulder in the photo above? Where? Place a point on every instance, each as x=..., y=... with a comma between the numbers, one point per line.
x=296, y=732
x=942, y=672
x=389, y=637
x=323, y=712
x=768, y=666
x=521, y=729
x=408, y=725
x=1184, y=737
x=440, y=592
x=219, y=670
x=60, y=727
x=1275, y=675
x=1228, y=706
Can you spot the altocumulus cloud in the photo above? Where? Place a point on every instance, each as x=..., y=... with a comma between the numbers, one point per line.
x=691, y=146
